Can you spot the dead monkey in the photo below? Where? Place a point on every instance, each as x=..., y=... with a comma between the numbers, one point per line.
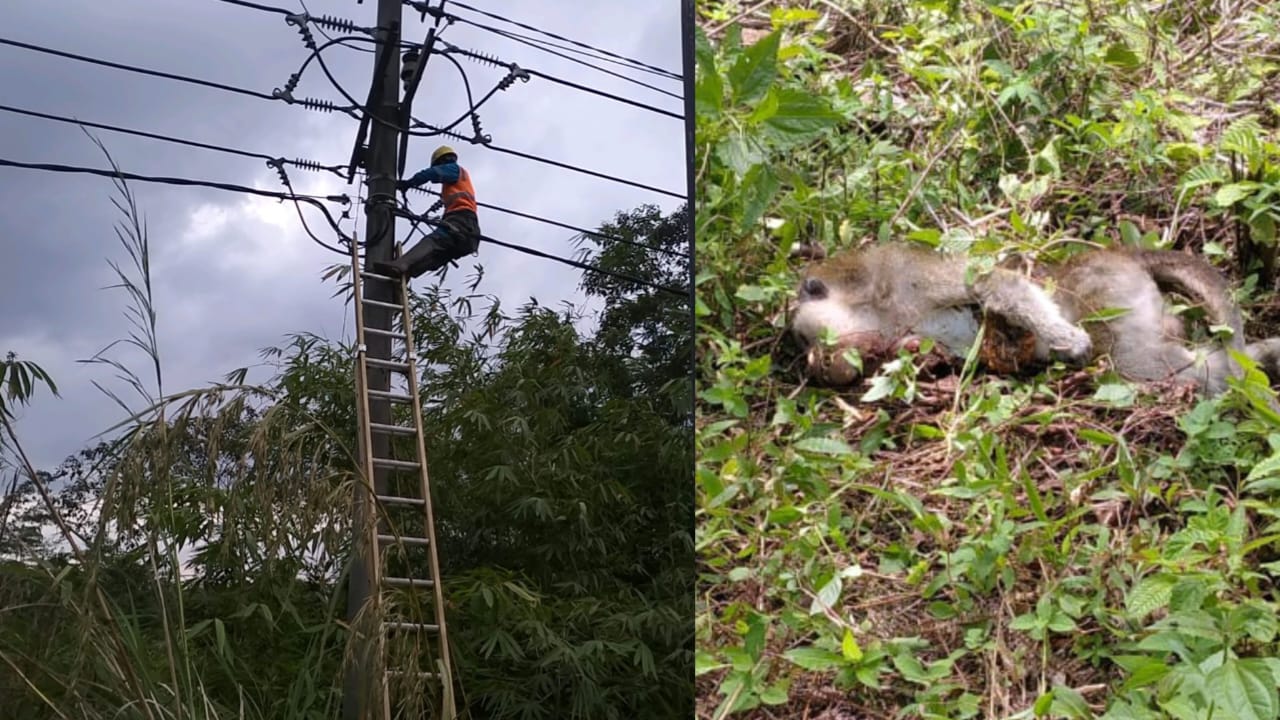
x=879, y=298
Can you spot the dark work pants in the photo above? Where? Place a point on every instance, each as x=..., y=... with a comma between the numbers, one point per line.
x=457, y=235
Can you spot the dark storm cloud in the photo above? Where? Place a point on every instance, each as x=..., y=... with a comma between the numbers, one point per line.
x=231, y=275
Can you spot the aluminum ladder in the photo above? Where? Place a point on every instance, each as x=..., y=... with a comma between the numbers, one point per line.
x=412, y=673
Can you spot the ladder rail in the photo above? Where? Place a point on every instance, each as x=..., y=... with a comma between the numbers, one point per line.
x=373, y=554
x=446, y=663
x=376, y=512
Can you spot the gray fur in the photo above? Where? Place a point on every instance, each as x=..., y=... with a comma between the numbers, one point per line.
x=876, y=298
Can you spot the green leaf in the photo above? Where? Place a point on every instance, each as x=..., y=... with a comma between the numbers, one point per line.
x=824, y=446
x=1150, y=594
x=775, y=694
x=1262, y=230
x=755, y=70
x=758, y=189
x=751, y=293
x=708, y=95
x=1243, y=689
x=220, y=633
x=827, y=597
x=704, y=662
x=801, y=116
x=1233, y=193
x=740, y=152
x=1069, y=704
x=1117, y=394
x=785, y=515
x=812, y=658
x=849, y=647
x=1120, y=55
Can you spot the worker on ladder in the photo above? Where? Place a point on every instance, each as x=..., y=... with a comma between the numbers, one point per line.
x=457, y=234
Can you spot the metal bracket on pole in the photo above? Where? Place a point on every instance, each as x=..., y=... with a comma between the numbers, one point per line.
x=375, y=97
x=410, y=90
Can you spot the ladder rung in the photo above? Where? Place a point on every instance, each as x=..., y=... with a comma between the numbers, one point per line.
x=408, y=582
x=409, y=541
x=392, y=429
x=378, y=276
x=381, y=304
x=423, y=627
x=393, y=397
x=385, y=333
x=400, y=500
x=396, y=464
x=387, y=364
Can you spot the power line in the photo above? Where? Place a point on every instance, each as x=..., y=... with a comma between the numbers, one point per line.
x=566, y=261
x=464, y=6
x=258, y=6
x=557, y=163
x=304, y=164
x=602, y=93
x=433, y=130
x=480, y=57
x=537, y=45
x=588, y=267
x=307, y=165
x=545, y=45
x=566, y=226
x=310, y=103
x=313, y=200
x=332, y=21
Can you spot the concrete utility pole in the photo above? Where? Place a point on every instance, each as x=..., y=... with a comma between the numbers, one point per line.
x=380, y=234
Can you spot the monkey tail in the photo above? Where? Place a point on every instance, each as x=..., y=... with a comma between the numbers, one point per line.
x=1200, y=282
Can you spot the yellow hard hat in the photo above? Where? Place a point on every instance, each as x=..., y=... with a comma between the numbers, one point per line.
x=441, y=152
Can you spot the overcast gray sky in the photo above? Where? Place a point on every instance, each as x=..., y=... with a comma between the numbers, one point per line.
x=234, y=274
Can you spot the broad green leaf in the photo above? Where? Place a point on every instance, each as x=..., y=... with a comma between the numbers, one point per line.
x=1262, y=229
x=756, y=68
x=740, y=152
x=824, y=446
x=1244, y=689
x=704, y=662
x=1150, y=594
x=1120, y=55
x=812, y=658
x=849, y=647
x=751, y=293
x=709, y=94
x=1229, y=195
x=827, y=597
x=759, y=187
x=775, y=694
x=785, y=515
x=801, y=116
x=1067, y=703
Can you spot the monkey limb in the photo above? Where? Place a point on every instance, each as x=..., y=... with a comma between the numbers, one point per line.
x=878, y=296
x=892, y=292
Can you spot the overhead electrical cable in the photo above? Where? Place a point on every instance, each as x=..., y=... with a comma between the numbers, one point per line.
x=309, y=165
x=535, y=44
x=304, y=164
x=531, y=28
x=683, y=294
x=309, y=103
x=540, y=44
x=480, y=57
x=446, y=131
x=327, y=106
x=313, y=200
x=566, y=226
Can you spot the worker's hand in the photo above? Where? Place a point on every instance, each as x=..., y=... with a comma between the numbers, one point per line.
x=403, y=185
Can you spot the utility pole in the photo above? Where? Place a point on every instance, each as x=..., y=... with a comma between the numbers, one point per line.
x=379, y=161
